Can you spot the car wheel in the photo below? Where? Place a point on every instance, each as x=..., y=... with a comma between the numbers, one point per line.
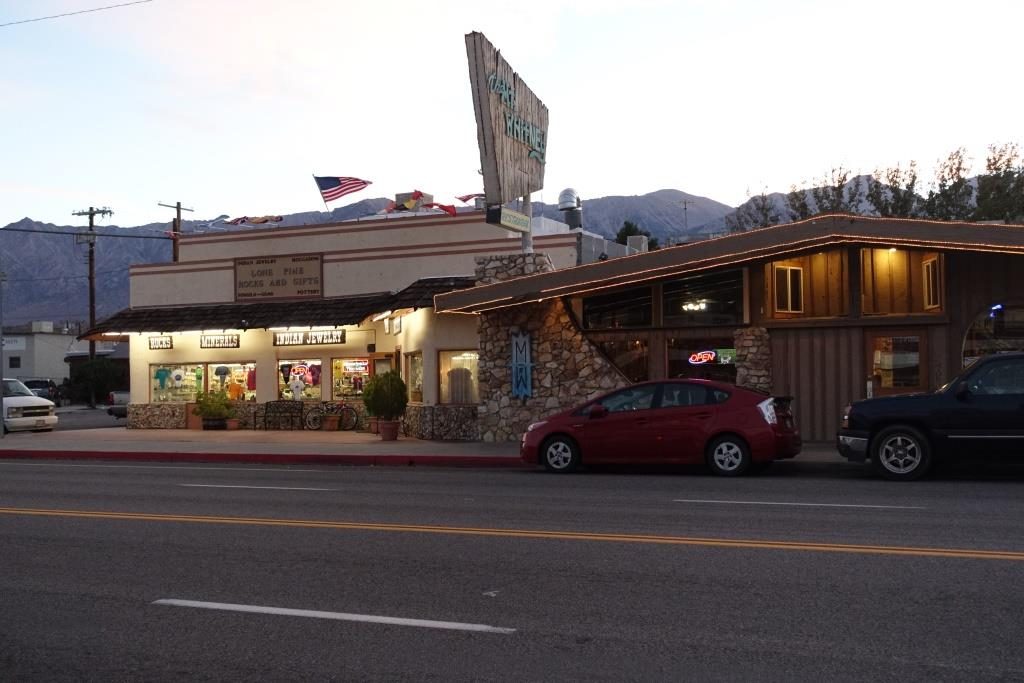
x=560, y=454
x=728, y=456
x=901, y=453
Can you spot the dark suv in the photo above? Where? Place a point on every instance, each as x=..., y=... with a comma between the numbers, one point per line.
x=980, y=412
x=43, y=388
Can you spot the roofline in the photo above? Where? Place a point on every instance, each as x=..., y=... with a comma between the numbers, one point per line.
x=736, y=250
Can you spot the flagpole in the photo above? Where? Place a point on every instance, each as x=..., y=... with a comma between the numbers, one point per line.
x=321, y=194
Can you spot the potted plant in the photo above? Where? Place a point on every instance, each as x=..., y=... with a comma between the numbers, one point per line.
x=215, y=408
x=385, y=397
x=371, y=417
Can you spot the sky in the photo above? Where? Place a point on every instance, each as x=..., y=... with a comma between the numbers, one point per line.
x=230, y=107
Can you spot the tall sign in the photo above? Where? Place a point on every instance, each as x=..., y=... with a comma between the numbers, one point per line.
x=522, y=367
x=279, y=277
x=511, y=123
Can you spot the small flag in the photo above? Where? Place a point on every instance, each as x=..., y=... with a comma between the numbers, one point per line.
x=470, y=197
x=447, y=208
x=334, y=188
x=254, y=220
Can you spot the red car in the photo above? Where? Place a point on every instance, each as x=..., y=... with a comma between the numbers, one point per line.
x=668, y=421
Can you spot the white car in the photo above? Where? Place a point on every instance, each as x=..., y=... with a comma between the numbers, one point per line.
x=24, y=411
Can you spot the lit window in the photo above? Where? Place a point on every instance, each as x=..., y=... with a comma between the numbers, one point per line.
x=931, y=284
x=459, y=376
x=789, y=289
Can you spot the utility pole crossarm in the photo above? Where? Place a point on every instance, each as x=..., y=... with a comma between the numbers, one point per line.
x=175, y=228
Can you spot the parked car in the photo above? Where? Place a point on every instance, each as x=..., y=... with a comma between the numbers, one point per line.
x=118, y=403
x=24, y=411
x=44, y=388
x=980, y=411
x=728, y=427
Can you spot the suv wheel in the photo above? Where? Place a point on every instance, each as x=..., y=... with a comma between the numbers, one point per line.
x=901, y=453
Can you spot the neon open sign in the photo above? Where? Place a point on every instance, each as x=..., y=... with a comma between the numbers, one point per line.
x=702, y=357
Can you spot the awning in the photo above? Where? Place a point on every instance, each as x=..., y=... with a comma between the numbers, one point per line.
x=350, y=310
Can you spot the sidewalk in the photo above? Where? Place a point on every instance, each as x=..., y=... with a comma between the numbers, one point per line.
x=282, y=447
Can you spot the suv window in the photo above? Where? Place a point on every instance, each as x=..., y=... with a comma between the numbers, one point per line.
x=1000, y=377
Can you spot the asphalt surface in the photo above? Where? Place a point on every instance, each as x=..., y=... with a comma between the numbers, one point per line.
x=611, y=575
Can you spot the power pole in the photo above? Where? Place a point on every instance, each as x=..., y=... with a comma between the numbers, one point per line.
x=686, y=222
x=3, y=276
x=90, y=238
x=175, y=228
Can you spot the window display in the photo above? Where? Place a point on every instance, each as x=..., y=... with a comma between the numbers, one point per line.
x=414, y=374
x=350, y=376
x=299, y=379
x=175, y=383
x=459, y=372
x=896, y=363
x=238, y=380
x=713, y=358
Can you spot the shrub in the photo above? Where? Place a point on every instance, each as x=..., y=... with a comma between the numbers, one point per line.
x=385, y=396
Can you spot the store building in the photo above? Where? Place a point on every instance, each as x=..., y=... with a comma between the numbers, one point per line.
x=313, y=312
x=37, y=350
x=827, y=310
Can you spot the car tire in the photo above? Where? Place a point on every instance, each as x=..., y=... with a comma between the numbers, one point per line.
x=560, y=454
x=901, y=453
x=728, y=456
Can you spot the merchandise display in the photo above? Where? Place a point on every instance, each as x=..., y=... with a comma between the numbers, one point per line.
x=350, y=376
x=299, y=379
x=181, y=383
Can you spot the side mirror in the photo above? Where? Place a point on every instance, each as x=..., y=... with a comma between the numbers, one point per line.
x=962, y=391
x=597, y=410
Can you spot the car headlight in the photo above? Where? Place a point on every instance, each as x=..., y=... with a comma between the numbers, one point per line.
x=536, y=425
x=53, y=410
x=14, y=412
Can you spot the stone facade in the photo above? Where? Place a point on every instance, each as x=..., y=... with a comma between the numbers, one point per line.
x=442, y=423
x=753, y=358
x=156, y=416
x=567, y=368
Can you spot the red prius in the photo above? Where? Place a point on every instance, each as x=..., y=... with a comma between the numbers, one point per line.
x=668, y=421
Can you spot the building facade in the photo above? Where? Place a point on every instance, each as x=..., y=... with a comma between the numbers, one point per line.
x=38, y=350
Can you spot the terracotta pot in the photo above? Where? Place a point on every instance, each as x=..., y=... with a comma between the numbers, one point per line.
x=388, y=430
x=232, y=423
x=330, y=423
x=371, y=424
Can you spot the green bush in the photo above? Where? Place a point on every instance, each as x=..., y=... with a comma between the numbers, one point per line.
x=213, y=404
x=385, y=396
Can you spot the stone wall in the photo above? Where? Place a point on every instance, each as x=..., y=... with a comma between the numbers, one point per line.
x=442, y=423
x=156, y=416
x=753, y=358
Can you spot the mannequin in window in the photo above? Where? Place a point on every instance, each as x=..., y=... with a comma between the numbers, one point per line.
x=460, y=384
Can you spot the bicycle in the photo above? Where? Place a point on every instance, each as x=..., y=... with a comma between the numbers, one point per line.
x=348, y=418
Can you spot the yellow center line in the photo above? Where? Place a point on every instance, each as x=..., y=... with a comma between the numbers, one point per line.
x=528, y=533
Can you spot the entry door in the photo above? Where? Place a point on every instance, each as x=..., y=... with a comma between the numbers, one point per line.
x=626, y=433
x=991, y=416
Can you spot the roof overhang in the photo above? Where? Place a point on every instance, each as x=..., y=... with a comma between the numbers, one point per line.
x=740, y=249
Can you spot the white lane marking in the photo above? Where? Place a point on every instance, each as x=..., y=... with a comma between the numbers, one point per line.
x=811, y=505
x=337, y=616
x=158, y=467
x=272, y=488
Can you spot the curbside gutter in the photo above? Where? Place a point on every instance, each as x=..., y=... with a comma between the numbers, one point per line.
x=478, y=461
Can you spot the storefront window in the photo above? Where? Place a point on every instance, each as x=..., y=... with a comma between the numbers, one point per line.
x=459, y=375
x=630, y=357
x=999, y=329
x=702, y=359
x=415, y=376
x=631, y=308
x=237, y=379
x=175, y=383
x=299, y=379
x=715, y=299
x=350, y=376
x=896, y=363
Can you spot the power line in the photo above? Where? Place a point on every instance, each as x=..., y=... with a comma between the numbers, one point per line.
x=68, y=14
x=64, y=277
x=102, y=234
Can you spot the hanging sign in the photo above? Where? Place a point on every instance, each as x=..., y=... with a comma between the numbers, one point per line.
x=161, y=343
x=219, y=341
x=310, y=338
x=279, y=277
x=521, y=366
x=702, y=357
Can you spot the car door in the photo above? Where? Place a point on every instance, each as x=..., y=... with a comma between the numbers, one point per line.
x=624, y=433
x=683, y=415
x=990, y=415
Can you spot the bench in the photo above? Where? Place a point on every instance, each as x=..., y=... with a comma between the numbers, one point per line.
x=279, y=415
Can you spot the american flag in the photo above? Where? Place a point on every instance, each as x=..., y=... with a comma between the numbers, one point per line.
x=334, y=188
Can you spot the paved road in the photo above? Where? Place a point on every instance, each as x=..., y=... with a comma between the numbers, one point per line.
x=86, y=418
x=600, y=576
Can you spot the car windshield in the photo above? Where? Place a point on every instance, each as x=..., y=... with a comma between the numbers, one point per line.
x=13, y=387
x=956, y=378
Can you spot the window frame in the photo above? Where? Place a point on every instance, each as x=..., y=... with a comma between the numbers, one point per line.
x=14, y=362
x=931, y=269
x=440, y=383
x=789, y=288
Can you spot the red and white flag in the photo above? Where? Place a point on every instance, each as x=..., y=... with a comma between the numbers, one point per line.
x=332, y=187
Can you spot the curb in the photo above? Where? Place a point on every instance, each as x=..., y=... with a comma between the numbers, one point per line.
x=479, y=461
